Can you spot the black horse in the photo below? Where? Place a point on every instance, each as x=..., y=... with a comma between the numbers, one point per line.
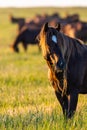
x=67, y=61
x=26, y=37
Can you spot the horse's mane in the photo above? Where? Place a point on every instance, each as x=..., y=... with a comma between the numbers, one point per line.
x=73, y=47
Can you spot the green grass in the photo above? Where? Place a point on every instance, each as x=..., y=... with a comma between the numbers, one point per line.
x=27, y=101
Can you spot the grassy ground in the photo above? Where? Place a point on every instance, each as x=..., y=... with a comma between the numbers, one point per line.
x=27, y=101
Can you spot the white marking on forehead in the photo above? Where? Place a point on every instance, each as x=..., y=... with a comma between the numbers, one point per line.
x=54, y=38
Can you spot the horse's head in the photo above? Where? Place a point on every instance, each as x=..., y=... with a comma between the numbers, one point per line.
x=13, y=48
x=50, y=42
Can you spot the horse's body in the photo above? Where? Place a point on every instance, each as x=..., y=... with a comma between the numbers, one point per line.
x=77, y=65
x=26, y=37
x=67, y=61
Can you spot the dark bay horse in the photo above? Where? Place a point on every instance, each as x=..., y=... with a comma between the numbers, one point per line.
x=25, y=37
x=67, y=61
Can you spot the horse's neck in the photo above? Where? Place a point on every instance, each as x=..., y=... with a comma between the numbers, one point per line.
x=66, y=47
x=72, y=47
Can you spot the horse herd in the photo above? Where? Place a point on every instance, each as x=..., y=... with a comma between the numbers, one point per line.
x=65, y=55
x=28, y=29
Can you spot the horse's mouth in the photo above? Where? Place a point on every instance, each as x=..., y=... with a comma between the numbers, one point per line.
x=56, y=63
x=57, y=69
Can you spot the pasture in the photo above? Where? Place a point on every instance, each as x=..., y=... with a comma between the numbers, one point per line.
x=27, y=101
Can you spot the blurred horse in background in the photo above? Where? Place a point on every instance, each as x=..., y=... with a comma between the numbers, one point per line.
x=71, y=26
x=26, y=37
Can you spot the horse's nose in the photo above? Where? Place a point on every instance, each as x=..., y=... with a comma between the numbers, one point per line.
x=60, y=65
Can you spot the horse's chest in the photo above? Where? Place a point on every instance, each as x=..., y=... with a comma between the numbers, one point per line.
x=60, y=77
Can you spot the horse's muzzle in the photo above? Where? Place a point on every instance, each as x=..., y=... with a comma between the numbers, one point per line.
x=60, y=65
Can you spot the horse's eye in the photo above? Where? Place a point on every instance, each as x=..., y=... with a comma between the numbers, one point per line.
x=54, y=39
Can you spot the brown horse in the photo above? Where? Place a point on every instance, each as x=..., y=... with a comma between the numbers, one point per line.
x=67, y=61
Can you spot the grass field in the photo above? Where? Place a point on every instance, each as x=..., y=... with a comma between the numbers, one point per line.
x=27, y=101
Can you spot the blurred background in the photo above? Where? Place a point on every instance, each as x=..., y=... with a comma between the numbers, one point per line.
x=27, y=102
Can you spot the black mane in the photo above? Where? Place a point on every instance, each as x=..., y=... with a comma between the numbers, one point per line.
x=73, y=48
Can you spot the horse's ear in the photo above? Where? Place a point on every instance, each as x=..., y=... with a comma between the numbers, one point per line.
x=46, y=27
x=58, y=27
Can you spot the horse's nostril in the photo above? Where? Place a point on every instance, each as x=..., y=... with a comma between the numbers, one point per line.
x=61, y=64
